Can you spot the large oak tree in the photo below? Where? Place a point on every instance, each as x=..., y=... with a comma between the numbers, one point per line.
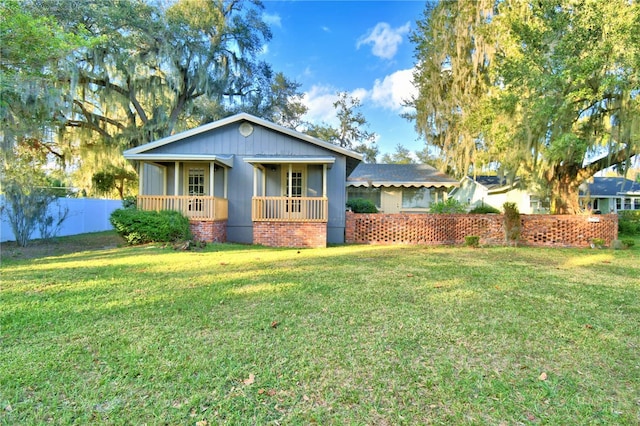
x=546, y=90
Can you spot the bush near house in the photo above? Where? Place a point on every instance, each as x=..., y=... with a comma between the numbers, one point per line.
x=139, y=226
x=629, y=222
x=484, y=209
x=450, y=206
x=360, y=205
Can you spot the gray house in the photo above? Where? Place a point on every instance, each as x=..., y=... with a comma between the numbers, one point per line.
x=243, y=179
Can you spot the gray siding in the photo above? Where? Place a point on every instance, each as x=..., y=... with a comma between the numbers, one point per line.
x=152, y=177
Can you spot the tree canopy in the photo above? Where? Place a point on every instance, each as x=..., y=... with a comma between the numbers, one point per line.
x=545, y=90
x=153, y=69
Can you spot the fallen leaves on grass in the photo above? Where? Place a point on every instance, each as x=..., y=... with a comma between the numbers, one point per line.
x=543, y=376
x=274, y=324
x=250, y=380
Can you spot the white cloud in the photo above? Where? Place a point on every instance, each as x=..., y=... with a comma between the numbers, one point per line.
x=272, y=19
x=385, y=40
x=320, y=99
x=391, y=92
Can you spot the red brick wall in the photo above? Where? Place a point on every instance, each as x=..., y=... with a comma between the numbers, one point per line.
x=209, y=231
x=290, y=234
x=536, y=230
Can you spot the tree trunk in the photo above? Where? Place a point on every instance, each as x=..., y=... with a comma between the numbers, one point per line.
x=564, y=194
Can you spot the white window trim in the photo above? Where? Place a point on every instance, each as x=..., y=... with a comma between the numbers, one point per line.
x=187, y=166
x=302, y=168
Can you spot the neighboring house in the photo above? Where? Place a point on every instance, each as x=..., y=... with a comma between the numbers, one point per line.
x=610, y=194
x=399, y=188
x=494, y=191
x=251, y=180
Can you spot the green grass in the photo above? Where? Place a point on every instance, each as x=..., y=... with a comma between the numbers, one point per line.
x=364, y=335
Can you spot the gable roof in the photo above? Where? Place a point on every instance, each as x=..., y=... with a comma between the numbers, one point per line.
x=610, y=187
x=493, y=183
x=139, y=152
x=399, y=175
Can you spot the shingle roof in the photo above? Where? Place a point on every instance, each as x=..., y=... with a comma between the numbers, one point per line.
x=611, y=186
x=491, y=182
x=407, y=175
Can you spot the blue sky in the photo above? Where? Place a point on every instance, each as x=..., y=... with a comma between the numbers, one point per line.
x=358, y=47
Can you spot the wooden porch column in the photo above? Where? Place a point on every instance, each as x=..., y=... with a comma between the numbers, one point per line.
x=176, y=178
x=324, y=180
x=290, y=180
x=212, y=168
x=255, y=181
x=140, y=177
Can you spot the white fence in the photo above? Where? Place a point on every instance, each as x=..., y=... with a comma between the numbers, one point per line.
x=85, y=215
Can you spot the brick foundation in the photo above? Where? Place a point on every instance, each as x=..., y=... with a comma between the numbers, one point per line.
x=290, y=234
x=536, y=230
x=209, y=231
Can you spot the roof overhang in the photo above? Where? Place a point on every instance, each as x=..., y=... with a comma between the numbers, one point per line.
x=404, y=184
x=226, y=160
x=290, y=160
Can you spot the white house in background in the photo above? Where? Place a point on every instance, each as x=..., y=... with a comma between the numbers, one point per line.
x=494, y=191
x=610, y=194
x=399, y=188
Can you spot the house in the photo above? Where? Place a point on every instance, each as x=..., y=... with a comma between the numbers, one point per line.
x=610, y=194
x=494, y=191
x=244, y=179
x=399, y=188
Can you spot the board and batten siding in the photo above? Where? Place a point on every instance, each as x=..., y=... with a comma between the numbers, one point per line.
x=227, y=140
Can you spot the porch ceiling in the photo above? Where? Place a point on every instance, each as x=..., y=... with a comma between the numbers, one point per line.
x=225, y=160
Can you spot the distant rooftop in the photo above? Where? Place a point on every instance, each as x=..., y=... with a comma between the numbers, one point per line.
x=399, y=175
x=611, y=186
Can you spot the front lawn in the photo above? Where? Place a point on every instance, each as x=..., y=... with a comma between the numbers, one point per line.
x=344, y=335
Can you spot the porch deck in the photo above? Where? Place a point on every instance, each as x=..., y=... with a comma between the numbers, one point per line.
x=204, y=208
x=289, y=209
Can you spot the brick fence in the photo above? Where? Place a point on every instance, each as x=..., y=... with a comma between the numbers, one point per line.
x=290, y=234
x=536, y=230
x=209, y=231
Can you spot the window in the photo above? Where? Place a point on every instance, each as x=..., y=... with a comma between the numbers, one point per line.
x=618, y=204
x=294, y=186
x=627, y=203
x=416, y=198
x=636, y=203
x=370, y=194
x=195, y=185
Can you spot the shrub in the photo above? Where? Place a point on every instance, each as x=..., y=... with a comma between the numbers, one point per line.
x=629, y=222
x=472, y=241
x=511, y=223
x=628, y=243
x=597, y=243
x=484, y=209
x=360, y=205
x=450, y=206
x=139, y=226
x=28, y=208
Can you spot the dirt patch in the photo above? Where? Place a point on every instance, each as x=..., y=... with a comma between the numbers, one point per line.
x=60, y=246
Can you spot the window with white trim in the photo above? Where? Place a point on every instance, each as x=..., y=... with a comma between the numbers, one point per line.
x=416, y=198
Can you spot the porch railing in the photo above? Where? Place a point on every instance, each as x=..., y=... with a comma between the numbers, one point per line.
x=194, y=207
x=290, y=209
